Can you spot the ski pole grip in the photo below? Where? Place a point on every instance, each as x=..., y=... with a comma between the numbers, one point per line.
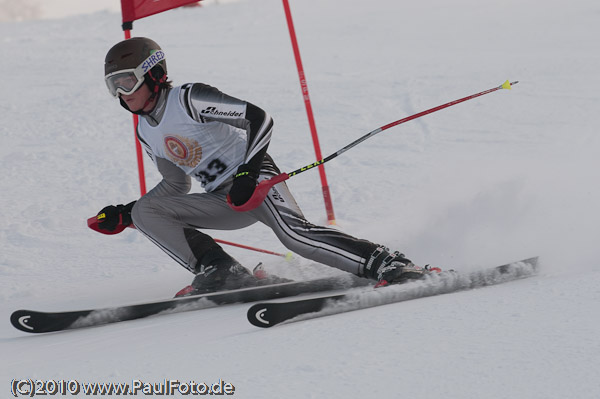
x=259, y=195
x=93, y=224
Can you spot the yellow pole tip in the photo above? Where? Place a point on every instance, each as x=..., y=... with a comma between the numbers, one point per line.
x=507, y=85
x=289, y=256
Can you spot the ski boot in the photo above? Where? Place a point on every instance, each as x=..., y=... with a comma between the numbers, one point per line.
x=391, y=268
x=265, y=278
x=220, y=274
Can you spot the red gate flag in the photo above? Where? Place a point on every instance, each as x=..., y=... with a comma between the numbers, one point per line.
x=136, y=9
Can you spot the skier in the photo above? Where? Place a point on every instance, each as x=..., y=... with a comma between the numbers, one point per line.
x=196, y=131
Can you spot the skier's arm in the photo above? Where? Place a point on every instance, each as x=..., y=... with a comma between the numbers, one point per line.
x=259, y=129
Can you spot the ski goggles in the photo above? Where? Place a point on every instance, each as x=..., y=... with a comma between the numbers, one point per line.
x=127, y=81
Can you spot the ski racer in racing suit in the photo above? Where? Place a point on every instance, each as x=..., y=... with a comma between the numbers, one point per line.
x=195, y=131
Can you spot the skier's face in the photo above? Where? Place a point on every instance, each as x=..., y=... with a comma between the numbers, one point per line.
x=136, y=100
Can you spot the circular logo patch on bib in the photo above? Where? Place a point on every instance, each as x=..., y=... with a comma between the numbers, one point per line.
x=183, y=151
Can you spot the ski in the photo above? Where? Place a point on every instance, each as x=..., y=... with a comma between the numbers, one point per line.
x=269, y=314
x=42, y=322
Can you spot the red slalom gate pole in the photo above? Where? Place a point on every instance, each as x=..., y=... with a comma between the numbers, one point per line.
x=309, y=113
x=138, y=146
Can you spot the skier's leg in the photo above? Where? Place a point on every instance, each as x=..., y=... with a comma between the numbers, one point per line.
x=171, y=222
x=329, y=246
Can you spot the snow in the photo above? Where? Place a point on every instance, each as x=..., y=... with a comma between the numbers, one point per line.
x=503, y=177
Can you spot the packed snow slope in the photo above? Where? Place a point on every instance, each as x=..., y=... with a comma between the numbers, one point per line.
x=506, y=176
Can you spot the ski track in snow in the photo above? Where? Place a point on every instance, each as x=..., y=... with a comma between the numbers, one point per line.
x=506, y=176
